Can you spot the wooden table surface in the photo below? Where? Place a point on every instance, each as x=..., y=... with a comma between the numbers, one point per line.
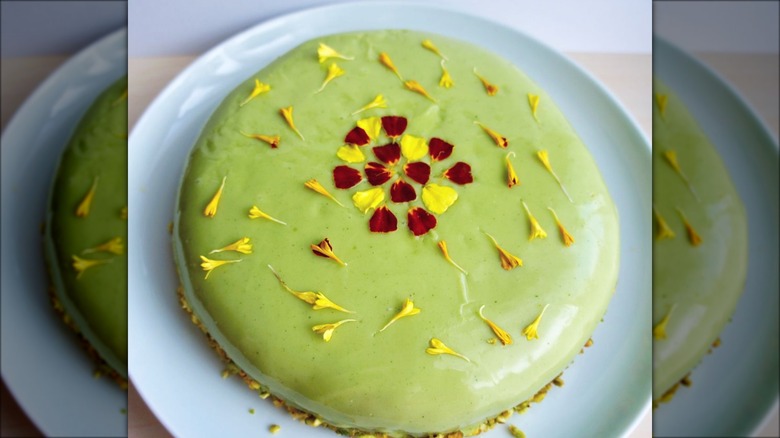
x=627, y=76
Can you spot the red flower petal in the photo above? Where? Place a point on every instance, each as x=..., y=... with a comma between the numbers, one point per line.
x=377, y=173
x=383, y=221
x=420, y=221
x=402, y=191
x=418, y=171
x=389, y=153
x=460, y=173
x=439, y=149
x=394, y=125
x=357, y=136
x=346, y=177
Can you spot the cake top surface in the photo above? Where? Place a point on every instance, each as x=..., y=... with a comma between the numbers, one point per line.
x=700, y=242
x=293, y=188
x=86, y=233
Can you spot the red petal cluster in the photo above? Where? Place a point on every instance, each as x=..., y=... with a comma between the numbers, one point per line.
x=357, y=136
x=346, y=177
x=383, y=221
x=460, y=173
x=418, y=171
x=394, y=125
x=377, y=173
x=402, y=191
x=420, y=221
x=439, y=149
x=389, y=153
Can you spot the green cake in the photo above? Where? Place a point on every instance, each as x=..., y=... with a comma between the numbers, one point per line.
x=700, y=245
x=394, y=233
x=86, y=232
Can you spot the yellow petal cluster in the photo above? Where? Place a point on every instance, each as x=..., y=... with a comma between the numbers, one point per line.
x=259, y=89
x=661, y=100
x=533, y=101
x=325, y=249
x=325, y=52
x=82, y=210
x=537, y=232
x=113, y=246
x=500, y=140
x=502, y=335
x=544, y=157
x=413, y=148
x=664, y=231
x=209, y=265
x=428, y=44
x=659, y=331
x=417, y=88
x=407, y=309
x=443, y=247
x=693, y=236
x=508, y=260
x=242, y=245
x=211, y=207
x=511, y=176
x=80, y=265
x=438, y=198
x=314, y=185
x=568, y=240
x=351, y=154
x=287, y=113
x=438, y=347
x=272, y=140
x=317, y=300
x=384, y=58
x=256, y=213
x=334, y=71
x=446, y=80
x=326, y=330
x=490, y=89
x=368, y=199
x=532, y=330
x=378, y=102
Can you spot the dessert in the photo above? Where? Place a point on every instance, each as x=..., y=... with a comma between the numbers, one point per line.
x=394, y=232
x=86, y=232
x=700, y=244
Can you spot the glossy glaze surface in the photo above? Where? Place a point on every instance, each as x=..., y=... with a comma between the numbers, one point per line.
x=701, y=283
x=386, y=381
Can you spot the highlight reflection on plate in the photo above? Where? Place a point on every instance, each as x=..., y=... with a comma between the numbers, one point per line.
x=606, y=389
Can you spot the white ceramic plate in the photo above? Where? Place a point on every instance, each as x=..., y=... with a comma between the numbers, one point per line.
x=179, y=375
x=735, y=387
x=43, y=365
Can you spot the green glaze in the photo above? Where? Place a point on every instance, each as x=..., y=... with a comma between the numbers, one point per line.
x=704, y=282
x=386, y=381
x=97, y=301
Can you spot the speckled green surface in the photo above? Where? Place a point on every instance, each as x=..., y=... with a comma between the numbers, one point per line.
x=97, y=301
x=386, y=381
x=703, y=283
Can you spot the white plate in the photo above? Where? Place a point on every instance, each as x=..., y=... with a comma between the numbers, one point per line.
x=43, y=365
x=179, y=375
x=736, y=386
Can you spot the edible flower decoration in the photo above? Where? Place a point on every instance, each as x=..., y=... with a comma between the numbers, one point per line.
x=664, y=231
x=82, y=210
x=334, y=71
x=428, y=44
x=661, y=100
x=532, y=330
x=113, y=246
x=407, y=309
x=446, y=80
x=256, y=213
x=502, y=335
x=536, y=230
x=259, y=89
x=671, y=158
x=209, y=265
x=533, y=101
x=325, y=249
x=272, y=140
x=287, y=113
x=314, y=185
x=508, y=260
x=500, y=140
x=417, y=88
x=511, y=176
x=659, y=331
x=242, y=245
x=438, y=347
x=326, y=330
x=80, y=265
x=544, y=157
x=402, y=160
x=211, y=207
x=490, y=89
x=568, y=240
x=318, y=300
x=693, y=236
x=325, y=52
x=378, y=102
x=443, y=247
x=123, y=213
x=384, y=58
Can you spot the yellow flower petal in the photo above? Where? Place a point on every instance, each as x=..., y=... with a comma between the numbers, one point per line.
x=317, y=300
x=242, y=245
x=123, y=213
x=256, y=213
x=325, y=249
x=693, y=236
x=664, y=231
x=428, y=44
x=113, y=246
x=378, y=102
x=659, y=331
x=368, y=199
x=417, y=88
x=536, y=230
x=384, y=58
x=438, y=198
x=82, y=210
x=272, y=140
x=372, y=126
x=567, y=238
x=446, y=80
x=671, y=158
x=511, y=175
x=122, y=97
x=532, y=330
x=438, y=347
x=443, y=247
x=80, y=265
x=407, y=309
x=334, y=71
x=508, y=260
x=313, y=184
x=259, y=89
x=502, y=335
x=287, y=113
x=325, y=52
x=500, y=140
x=661, y=100
x=533, y=100
x=544, y=157
x=490, y=89
x=351, y=154
x=211, y=207
x=326, y=330
x=413, y=148
x=209, y=265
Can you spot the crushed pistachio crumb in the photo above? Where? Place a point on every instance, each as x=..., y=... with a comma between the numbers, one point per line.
x=517, y=433
x=274, y=428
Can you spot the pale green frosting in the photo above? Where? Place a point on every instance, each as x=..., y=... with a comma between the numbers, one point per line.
x=386, y=381
x=97, y=301
x=702, y=283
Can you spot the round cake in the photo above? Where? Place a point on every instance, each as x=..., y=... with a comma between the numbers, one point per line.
x=394, y=232
x=86, y=231
x=700, y=245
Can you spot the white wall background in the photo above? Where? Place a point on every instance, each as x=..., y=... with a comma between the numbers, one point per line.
x=188, y=27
